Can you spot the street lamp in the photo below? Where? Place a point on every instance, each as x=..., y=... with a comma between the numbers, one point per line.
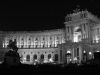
x=90, y=53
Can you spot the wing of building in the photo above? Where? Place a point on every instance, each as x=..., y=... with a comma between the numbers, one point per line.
x=76, y=43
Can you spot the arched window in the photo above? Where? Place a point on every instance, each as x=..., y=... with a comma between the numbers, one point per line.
x=49, y=56
x=35, y=57
x=28, y=58
x=42, y=57
x=56, y=57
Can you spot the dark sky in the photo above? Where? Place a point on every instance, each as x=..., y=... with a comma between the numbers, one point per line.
x=41, y=15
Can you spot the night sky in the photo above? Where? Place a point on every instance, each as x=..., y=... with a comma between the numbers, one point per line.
x=35, y=16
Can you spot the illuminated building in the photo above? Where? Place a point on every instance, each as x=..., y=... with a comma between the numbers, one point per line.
x=75, y=43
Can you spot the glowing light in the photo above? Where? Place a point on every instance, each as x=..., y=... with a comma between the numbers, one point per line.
x=96, y=38
x=68, y=52
x=24, y=60
x=75, y=58
x=34, y=63
x=3, y=45
x=50, y=60
x=70, y=59
x=1, y=62
x=90, y=53
x=36, y=60
x=75, y=38
x=84, y=51
x=97, y=51
x=45, y=61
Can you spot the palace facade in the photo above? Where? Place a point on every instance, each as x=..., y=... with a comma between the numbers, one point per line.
x=75, y=43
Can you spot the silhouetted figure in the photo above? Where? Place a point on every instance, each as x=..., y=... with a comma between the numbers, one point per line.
x=12, y=56
x=12, y=45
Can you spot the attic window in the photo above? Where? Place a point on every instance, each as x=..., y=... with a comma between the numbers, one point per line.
x=83, y=15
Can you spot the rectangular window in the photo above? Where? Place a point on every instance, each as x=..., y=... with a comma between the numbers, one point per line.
x=83, y=15
x=68, y=19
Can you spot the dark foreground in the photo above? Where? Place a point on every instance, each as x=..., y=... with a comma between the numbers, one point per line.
x=49, y=68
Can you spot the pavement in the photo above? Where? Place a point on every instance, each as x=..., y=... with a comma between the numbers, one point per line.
x=23, y=68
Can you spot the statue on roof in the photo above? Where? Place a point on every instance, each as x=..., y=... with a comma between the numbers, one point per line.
x=77, y=9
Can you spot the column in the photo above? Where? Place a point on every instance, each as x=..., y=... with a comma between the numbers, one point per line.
x=53, y=41
x=19, y=41
x=49, y=41
x=31, y=39
x=39, y=41
x=46, y=41
x=82, y=31
x=25, y=41
x=80, y=54
x=32, y=42
x=86, y=30
x=42, y=41
x=22, y=41
x=60, y=39
x=29, y=42
x=5, y=42
x=35, y=41
x=70, y=32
